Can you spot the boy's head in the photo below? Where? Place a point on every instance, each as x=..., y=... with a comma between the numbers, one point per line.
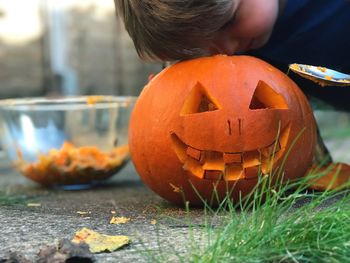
x=180, y=29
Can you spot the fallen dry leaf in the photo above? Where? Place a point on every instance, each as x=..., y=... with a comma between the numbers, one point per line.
x=33, y=204
x=176, y=189
x=83, y=212
x=99, y=242
x=119, y=220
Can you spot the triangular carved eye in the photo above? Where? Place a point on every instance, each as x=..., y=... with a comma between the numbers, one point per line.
x=199, y=100
x=266, y=98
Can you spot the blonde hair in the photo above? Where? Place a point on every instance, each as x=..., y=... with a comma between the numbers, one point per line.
x=171, y=30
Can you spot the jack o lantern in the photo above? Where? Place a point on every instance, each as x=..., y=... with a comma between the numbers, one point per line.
x=219, y=122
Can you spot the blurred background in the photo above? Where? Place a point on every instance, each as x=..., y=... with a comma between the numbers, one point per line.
x=78, y=47
x=68, y=47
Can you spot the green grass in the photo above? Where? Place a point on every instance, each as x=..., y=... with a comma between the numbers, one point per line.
x=292, y=224
x=277, y=231
x=7, y=199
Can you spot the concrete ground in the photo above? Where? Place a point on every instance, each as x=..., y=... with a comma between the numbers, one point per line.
x=26, y=229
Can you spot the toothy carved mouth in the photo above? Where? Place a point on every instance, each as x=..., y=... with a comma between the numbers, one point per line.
x=229, y=166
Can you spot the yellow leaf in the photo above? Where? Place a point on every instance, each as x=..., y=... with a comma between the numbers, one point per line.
x=176, y=189
x=33, y=204
x=83, y=212
x=153, y=222
x=119, y=220
x=99, y=242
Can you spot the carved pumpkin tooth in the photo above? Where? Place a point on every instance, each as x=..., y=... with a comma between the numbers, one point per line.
x=233, y=172
x=233, y=158
x=213, y=161
x=251, y=158
x=213, y=175
x=194, y=153
x=266, y=167
x=213, y=155
x=214, y=165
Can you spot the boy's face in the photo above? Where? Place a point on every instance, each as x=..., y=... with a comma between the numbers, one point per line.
x=250, y=26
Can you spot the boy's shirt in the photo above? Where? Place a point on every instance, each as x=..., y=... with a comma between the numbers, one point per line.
x=315, y=32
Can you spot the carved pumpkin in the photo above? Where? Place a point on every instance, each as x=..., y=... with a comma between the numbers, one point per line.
x=214, y=122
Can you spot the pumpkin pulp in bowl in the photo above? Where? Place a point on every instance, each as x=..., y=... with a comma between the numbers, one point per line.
x=70, y=141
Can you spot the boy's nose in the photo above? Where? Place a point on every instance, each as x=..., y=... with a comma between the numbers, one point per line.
x=224, y=44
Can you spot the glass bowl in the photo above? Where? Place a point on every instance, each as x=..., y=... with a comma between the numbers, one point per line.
x=70, y=142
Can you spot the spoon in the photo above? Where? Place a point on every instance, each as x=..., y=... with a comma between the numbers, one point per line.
x=321, y=75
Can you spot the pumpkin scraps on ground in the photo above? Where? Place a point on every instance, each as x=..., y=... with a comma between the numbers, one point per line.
x=99, y=242
x=33, y=204
x=119, y=220
x=73, y=165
